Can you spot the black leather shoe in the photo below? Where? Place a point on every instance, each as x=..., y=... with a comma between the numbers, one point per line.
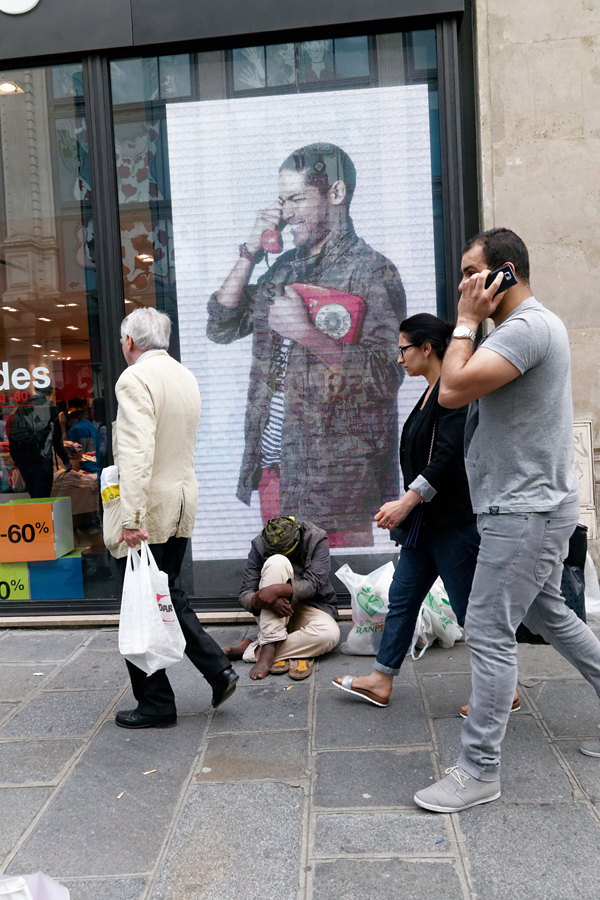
x=224, y=685
x=132, y=718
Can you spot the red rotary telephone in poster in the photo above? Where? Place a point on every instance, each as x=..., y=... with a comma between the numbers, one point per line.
x=272, y=241
x=336, y=313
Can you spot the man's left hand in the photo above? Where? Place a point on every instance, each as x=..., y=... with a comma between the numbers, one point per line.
x=275, y=597
x=476, y=302
x=289, y=318
x=133, y=537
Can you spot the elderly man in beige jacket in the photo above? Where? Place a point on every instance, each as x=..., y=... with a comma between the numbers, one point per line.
x=153, y=443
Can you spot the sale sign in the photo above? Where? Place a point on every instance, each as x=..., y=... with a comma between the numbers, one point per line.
x=35, y=529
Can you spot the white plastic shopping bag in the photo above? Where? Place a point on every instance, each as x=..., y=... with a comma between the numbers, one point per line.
x=31, y=887
x=436, y=621
x=369, y=594
x=149, y=632
x=15, y=888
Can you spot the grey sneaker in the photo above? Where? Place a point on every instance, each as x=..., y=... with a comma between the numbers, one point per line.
x=457, y=791
x=591, y=748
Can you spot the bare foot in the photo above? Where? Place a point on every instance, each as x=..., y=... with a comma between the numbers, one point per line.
x=238, y=651
x=262, y=666
x=378, y=683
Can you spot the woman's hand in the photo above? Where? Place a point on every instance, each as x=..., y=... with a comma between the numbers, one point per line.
x=395, y=511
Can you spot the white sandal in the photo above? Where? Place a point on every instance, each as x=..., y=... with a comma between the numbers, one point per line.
x=345, y=684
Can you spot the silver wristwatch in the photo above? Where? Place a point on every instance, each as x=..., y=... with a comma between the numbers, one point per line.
x=461, y=331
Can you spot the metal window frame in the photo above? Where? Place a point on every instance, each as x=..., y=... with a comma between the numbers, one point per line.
x=107, y=231
x=451, y=157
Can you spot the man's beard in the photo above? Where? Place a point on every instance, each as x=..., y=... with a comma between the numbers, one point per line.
x=309, y=239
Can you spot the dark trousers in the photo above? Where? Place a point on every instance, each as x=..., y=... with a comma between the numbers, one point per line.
x=154, y=693
x=37, y=471
x=450, y=553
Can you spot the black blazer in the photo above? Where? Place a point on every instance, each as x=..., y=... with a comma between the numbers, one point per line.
x=451, y=506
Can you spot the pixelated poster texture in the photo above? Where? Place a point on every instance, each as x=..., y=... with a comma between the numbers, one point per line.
x=330, y=437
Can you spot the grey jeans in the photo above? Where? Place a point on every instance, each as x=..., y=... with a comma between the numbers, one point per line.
x=517, y=578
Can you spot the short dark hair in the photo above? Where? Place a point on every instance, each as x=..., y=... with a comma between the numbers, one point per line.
x=324, y=164
x=423, y=328
x=499, y=246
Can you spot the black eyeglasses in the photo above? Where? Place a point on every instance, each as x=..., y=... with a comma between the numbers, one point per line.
x=406, y=347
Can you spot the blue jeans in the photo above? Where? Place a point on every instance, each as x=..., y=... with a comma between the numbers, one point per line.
x=450, y=553
x=517, y=579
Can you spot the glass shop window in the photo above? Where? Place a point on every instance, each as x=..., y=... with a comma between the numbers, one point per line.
x=200, y=143
x=52, y=420
x=141, y=88
x=331, y=63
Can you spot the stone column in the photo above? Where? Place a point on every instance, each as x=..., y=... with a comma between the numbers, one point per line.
x=538, y=83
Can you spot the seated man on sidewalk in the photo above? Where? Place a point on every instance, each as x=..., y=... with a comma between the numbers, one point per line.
x=286, y=586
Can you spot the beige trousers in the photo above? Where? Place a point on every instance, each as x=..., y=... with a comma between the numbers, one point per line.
x=309, y=632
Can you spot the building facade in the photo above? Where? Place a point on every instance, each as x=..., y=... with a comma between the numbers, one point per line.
x=537, y=86
x=137, y=149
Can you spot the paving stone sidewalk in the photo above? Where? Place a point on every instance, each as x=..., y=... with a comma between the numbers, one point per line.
x=289, y=791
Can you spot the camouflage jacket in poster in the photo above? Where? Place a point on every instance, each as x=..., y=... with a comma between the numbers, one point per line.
x=339, y=450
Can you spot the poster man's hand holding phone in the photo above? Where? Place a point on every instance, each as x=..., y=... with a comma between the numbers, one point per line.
x=482, y=293
x=268, y=220
x=289, y=318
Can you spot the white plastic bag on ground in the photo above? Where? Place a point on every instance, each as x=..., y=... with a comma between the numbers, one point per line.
x=150, y=635
x=14, y=888
x=32, y=887
x=592, y=589
x=369, y=594
x=436, y=621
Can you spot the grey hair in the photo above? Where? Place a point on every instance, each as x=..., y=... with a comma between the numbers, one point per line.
x=148, y=328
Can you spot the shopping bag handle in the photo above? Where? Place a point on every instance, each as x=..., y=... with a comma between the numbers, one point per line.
x=133, y=559
x=147, y=552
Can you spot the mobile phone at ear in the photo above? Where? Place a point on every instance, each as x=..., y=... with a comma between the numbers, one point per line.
x=508, y=281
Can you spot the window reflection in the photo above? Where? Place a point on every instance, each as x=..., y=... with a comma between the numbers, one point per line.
x=301, y=65
x=67, y=81
x=151, y=78
x=316, y=61
x=137, y=147
x=52, y=426
x=351, y=57
x=249, y=68
x=143, y=178
x=281, y=64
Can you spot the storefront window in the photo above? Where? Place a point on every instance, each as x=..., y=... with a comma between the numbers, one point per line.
x=284, y=430
x=52, y=426
x=141, y=88
x=332, y=62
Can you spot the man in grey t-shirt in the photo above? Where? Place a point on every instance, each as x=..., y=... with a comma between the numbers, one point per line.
x=519, y=460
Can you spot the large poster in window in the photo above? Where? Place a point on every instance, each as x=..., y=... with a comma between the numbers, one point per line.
x=303, y=234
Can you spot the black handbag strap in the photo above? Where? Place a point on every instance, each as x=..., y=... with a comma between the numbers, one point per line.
x=431, y=446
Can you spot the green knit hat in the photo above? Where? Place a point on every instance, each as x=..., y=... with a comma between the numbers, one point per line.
x=281, y=535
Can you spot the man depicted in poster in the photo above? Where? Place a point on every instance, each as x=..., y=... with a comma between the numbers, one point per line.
x=321, y=416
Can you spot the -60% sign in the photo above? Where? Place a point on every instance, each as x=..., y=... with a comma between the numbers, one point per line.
x=25, y=532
